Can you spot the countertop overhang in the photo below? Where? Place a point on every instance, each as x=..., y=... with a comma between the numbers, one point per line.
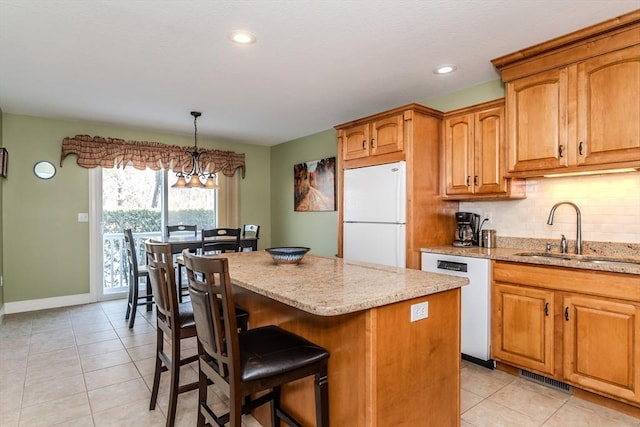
x=511, y=254
x=328, y=286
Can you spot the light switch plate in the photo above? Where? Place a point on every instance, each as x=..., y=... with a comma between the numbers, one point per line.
x=83, y=217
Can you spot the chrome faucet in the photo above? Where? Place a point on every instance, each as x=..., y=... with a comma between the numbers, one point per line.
x=578, y=223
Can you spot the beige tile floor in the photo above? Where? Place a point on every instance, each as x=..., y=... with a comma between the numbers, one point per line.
x=82, y=366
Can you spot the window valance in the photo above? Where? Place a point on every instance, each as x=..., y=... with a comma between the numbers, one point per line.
x=113, y=152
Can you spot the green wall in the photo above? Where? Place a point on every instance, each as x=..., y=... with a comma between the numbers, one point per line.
x=316, y=230
x=49, y=248
x=463, y=98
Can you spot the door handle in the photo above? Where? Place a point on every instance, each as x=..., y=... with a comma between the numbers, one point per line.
x=468, y=180
x=566, y=313
x=546, y=309
x=364, y=144
x=580, y=148
x=560, y=149
x=373, y=143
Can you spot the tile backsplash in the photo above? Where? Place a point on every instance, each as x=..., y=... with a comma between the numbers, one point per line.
x=609, y=204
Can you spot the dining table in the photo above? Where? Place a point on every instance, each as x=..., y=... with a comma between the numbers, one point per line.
x=189, y=241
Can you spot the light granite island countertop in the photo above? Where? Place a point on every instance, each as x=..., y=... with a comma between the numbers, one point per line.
x=332, y=286
x=384, y=369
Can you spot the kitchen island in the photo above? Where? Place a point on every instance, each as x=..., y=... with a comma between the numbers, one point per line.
x=384, y=369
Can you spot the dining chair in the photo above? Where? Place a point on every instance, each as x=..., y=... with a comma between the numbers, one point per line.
x=181, y=230
x=221, y=240
x=174, y=322
x=135, y=273
x=242, y=364
x=249, y=230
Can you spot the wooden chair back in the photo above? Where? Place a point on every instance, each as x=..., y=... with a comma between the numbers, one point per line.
x=160, y=258
x=181, y=229
x=211, y=292
x=221, y=240
x=251, y=230
x=132, y=256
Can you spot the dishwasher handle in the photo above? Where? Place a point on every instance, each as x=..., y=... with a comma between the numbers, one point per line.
x=452, y=266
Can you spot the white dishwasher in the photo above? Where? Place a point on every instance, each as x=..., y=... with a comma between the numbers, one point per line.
x=476, y=302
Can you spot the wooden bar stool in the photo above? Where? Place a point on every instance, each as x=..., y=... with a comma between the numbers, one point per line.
x=136, y=272
x=173, y=320
x=243, y=364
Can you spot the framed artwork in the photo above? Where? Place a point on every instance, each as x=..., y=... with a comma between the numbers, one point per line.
x=314, y=185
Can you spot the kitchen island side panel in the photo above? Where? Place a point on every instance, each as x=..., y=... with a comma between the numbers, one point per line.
x=383, y=370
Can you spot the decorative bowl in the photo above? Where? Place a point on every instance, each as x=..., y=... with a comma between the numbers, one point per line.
x=287, y=255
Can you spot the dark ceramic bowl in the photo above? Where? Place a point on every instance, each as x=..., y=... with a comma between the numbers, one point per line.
x=287, y=255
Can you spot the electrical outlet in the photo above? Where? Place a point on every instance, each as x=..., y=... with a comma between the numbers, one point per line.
x=419, y=311
x=487, y=216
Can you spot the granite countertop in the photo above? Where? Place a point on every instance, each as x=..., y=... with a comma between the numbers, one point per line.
x=569, y=260
x=332, y=286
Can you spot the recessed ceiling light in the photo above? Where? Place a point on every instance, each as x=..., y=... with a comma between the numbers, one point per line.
x=242, y=37
x=445, y=69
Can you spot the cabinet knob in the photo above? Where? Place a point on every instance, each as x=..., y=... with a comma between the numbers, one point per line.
x=580, y=148
x=546, y=309
x=373, y=143
x=475, y=180
x=566, y=313
x=560, y=149
x=468, y=180
x=364, y=144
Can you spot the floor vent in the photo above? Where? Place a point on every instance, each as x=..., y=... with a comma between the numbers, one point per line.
x=559, y=385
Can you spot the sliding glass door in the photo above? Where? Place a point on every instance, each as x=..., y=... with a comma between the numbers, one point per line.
x=143, y=201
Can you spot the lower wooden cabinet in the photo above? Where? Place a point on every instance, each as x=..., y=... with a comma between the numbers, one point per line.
x=576, y=326
x=522, y=331
x=601, y=345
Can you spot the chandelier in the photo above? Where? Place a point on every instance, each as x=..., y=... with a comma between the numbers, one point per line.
x=194, y=178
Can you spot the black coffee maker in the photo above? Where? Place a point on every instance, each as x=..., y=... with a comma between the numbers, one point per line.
x=467, y=230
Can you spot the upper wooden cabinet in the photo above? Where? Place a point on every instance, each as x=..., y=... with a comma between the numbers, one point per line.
x=474, y=154
x=410, y=133
x=382, y=135
x=572, y=103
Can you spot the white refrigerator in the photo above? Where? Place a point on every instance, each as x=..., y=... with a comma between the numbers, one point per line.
x=374, y=213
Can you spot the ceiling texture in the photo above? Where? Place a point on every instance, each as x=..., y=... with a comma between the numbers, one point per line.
x=146, y=64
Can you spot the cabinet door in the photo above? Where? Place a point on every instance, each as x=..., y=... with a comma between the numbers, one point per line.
x=522, y=327
x=387, y=135
x=459, y=153
x=608, y=117
x=602, y=345
x=489, y=146
x=355, y=142
x=537, y=121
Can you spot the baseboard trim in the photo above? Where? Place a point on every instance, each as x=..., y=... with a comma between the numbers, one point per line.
x=45, y=303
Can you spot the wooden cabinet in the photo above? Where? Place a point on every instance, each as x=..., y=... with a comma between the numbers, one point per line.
x=523, y=327
x=608, y=111
x=411, y=133
x=602, y=345
x=572, y=103
x=474, y=154
x=382, y=135
x=577, y=326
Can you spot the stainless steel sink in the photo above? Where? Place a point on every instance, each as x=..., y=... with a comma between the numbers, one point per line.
x=580, y=258
x=544, y=255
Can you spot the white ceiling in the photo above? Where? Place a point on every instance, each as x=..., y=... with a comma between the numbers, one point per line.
x=317, y=63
